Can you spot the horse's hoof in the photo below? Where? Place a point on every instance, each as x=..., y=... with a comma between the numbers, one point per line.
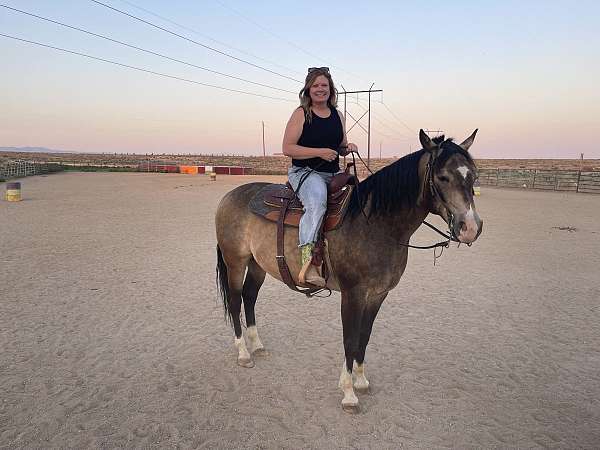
x=260, y=352
x=350, y=403
x=247, y=363
x=362, y=389
x=350, y=408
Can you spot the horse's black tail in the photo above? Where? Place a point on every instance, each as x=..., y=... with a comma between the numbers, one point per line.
x=223, y=283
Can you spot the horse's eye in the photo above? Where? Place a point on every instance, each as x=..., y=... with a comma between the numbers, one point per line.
x=444, y=178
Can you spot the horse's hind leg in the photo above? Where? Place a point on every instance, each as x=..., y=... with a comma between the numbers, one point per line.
x=231, y=272
x=236, y=278
x=254, y=280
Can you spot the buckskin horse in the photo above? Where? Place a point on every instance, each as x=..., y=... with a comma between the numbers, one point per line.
x=367, y=253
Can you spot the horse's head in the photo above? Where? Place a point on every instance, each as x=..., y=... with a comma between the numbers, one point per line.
x=449, y=179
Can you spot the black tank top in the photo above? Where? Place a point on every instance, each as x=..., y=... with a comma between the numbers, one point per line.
x=321, y=133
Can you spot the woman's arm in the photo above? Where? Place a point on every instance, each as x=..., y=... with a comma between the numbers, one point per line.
x=293, y=131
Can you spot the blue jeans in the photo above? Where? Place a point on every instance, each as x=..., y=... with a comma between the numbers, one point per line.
x=313, y=195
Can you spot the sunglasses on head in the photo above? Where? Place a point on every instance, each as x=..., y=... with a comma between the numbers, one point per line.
x=324, y=69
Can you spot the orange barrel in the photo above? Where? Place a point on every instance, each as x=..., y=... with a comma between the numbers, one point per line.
x=13, y=192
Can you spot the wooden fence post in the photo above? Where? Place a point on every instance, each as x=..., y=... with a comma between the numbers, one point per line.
x=578, y=179
x=534, y=175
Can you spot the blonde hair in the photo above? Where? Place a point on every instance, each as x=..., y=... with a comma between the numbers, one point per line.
x=305, y=100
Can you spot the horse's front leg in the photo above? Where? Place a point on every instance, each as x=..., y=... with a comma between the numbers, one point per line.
x=361, y=384
x=352, y=310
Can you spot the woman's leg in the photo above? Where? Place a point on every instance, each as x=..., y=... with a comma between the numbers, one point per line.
x=313, y=195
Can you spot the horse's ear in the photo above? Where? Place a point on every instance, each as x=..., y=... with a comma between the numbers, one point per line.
x=426, y=142
x=469, y=141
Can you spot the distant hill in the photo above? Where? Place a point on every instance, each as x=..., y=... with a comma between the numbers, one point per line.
x=33, y=150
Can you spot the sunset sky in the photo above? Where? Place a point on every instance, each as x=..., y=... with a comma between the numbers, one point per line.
x=526, y=73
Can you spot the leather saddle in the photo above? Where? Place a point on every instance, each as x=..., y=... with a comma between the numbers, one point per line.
x=269, y=201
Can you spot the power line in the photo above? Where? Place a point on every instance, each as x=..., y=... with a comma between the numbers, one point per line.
x=194, y=41
x=391, y=112
x=145, y=50
x=266, y=30
x=166, y=19
x=173, y=77
x=381, y=122
x=395, y=137
x=236, y=58
x=397, y=118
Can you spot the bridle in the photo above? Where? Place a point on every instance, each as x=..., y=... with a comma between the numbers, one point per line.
x=433, y=190
x=436, y=195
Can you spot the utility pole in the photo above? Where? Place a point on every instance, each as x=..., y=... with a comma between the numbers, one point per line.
x=345, y=114
x=263, y=130
x=357, y=121
x=369, y=134
x=380, y=149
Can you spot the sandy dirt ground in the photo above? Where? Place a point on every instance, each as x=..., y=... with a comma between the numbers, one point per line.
x=112, y=336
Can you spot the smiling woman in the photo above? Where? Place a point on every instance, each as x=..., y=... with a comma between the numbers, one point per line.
x=313, y=137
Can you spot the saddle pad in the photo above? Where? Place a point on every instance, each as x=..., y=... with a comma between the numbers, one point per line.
x=267, y=203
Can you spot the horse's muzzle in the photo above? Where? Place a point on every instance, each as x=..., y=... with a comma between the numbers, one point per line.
x=468, y=228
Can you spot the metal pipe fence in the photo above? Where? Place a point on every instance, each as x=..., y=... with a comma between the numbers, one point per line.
x=557, y=180
x=24, y=168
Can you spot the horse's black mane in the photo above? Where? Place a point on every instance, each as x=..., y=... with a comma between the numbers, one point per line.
x=397, y=186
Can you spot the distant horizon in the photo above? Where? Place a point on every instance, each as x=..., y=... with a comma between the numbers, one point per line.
x=32, y=149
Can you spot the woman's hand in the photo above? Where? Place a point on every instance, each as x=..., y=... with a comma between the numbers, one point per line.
x=345, y=151
x=327, y=154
